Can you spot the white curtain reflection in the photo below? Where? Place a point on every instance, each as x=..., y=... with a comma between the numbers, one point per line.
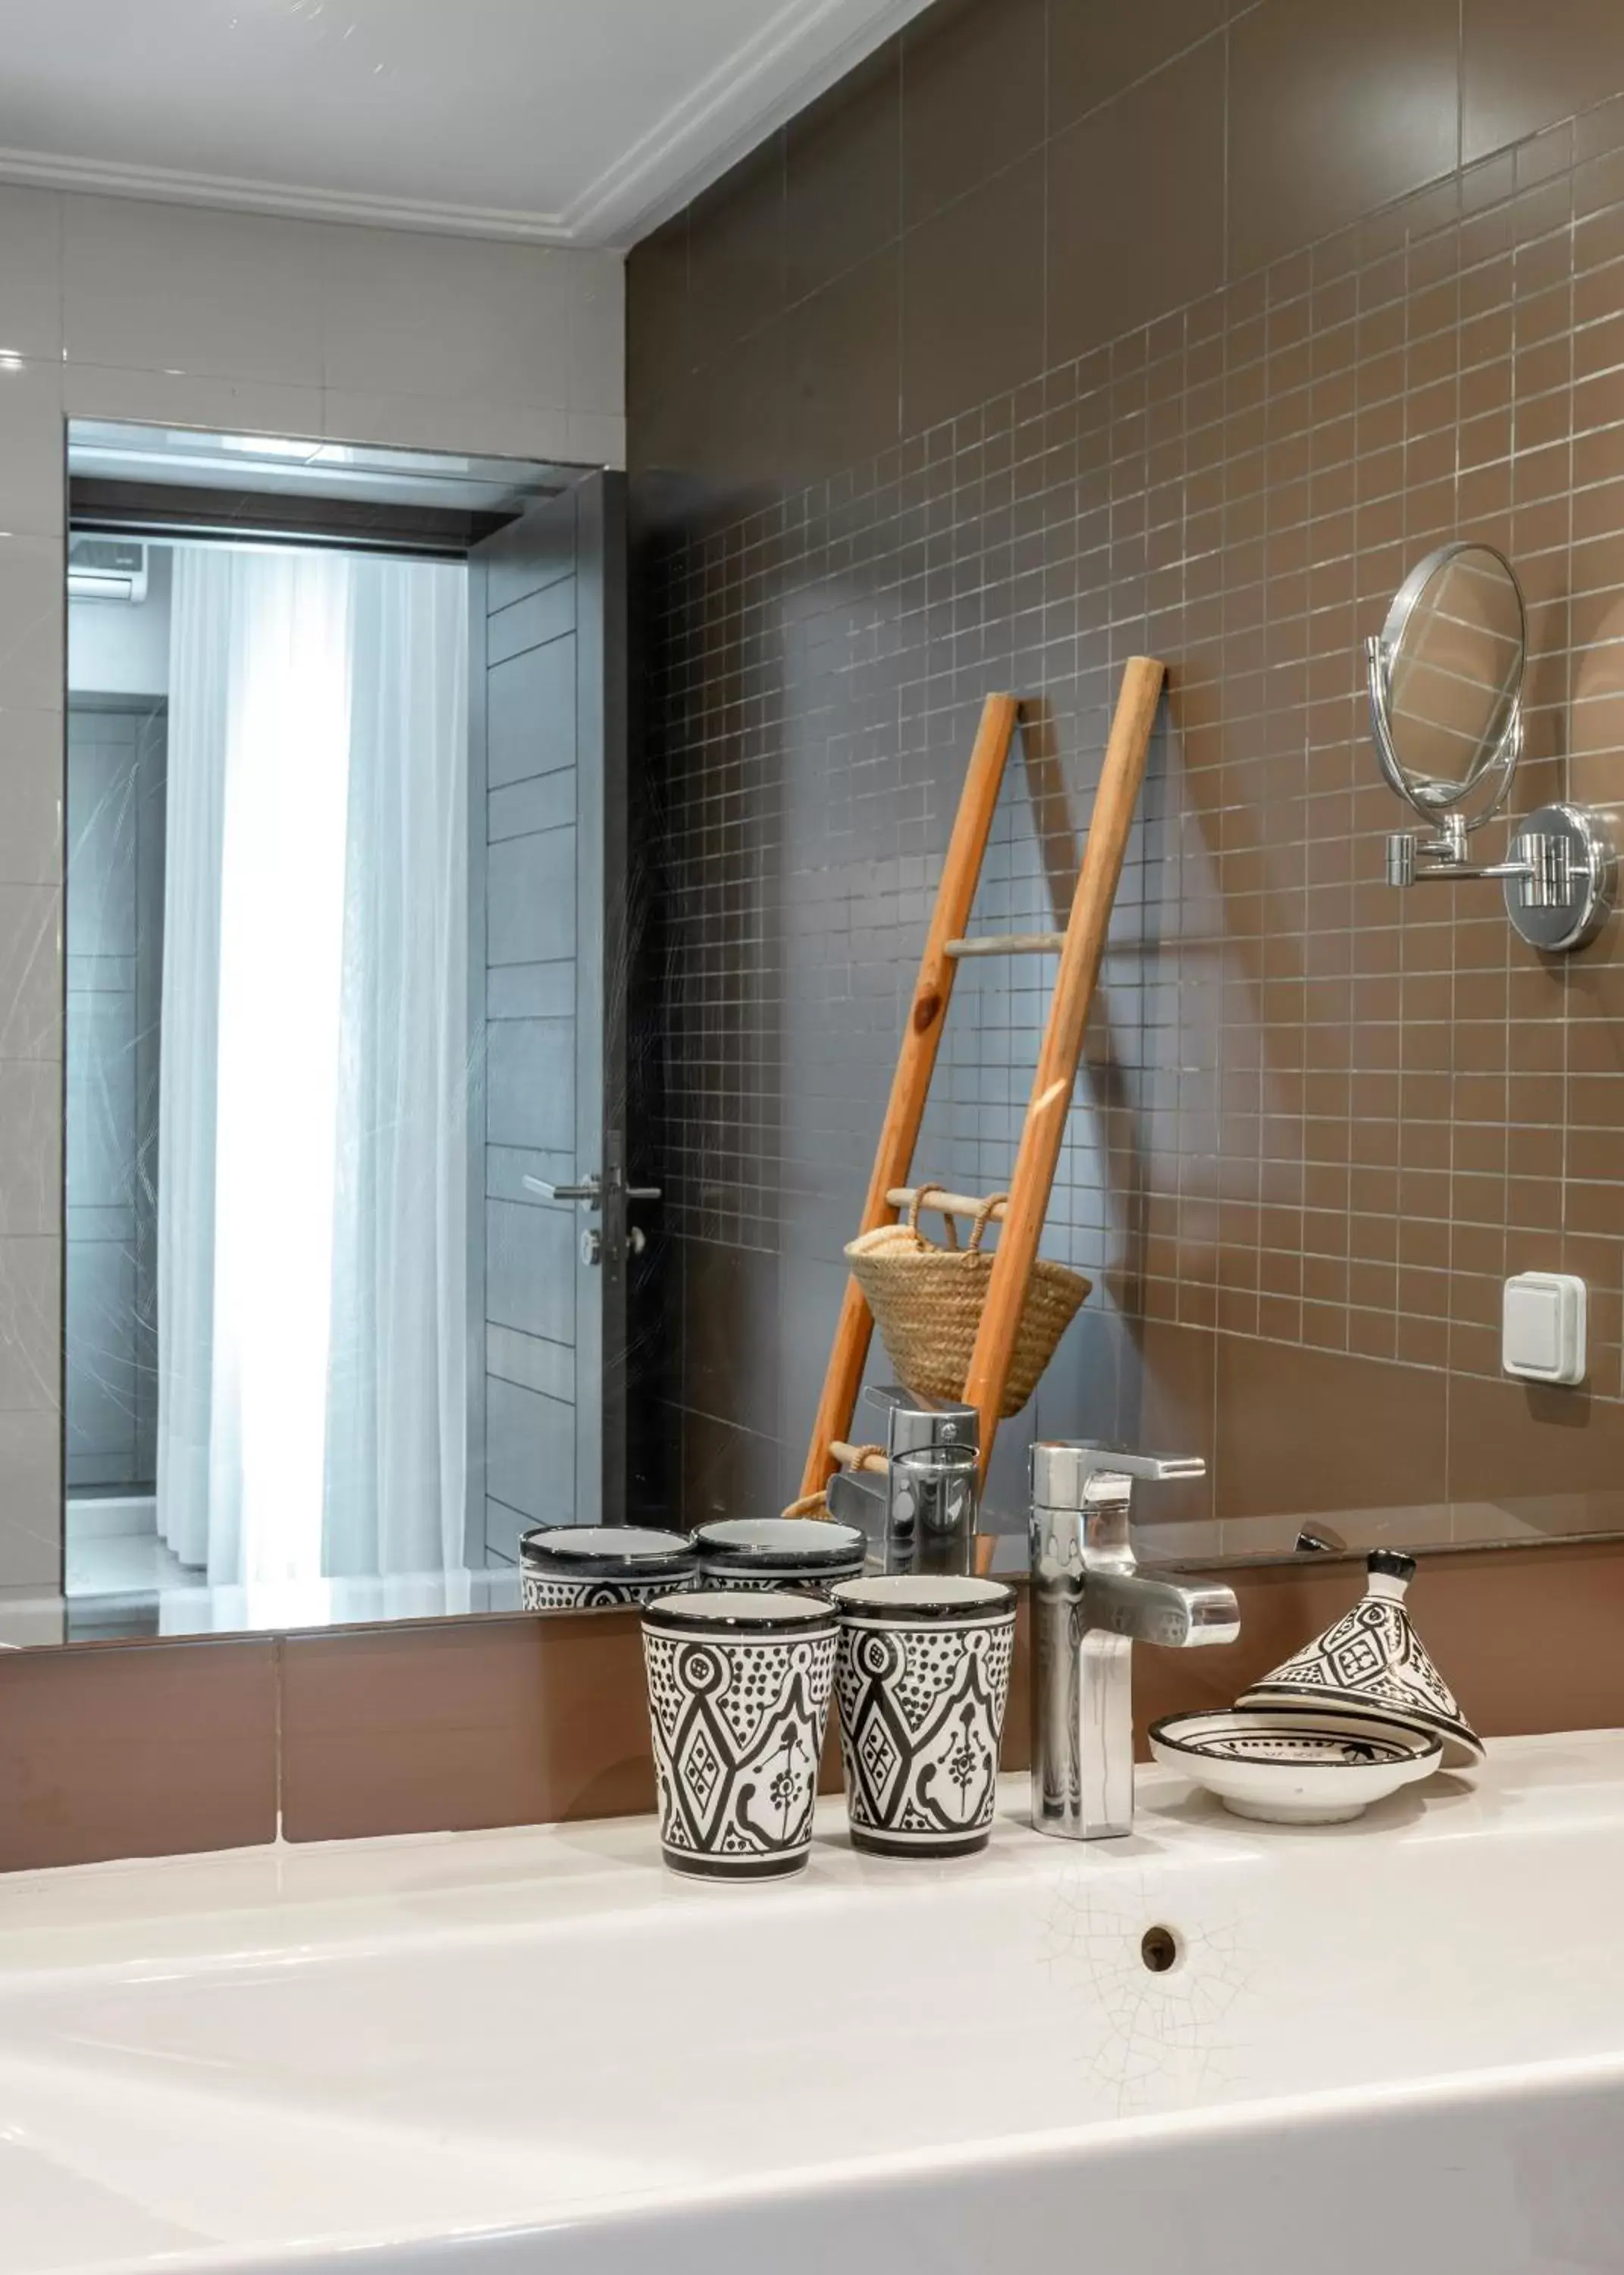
x=396, y=1438
x=311, y=1176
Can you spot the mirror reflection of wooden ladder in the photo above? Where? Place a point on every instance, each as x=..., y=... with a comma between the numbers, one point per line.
x=1080, y=948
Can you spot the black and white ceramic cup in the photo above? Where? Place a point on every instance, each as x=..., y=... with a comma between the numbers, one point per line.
x=738, y=1699
x=603, y=1567
x=923, y=1680
x=803, y=1554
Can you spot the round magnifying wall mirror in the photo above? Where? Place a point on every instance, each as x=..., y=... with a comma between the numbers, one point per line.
x=1445, y=678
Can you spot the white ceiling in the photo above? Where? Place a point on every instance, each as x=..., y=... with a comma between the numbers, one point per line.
x=571, y=121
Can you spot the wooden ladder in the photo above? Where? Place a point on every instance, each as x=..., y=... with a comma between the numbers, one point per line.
x=1080, y=948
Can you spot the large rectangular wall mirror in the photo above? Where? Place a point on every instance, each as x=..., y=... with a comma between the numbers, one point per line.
x=344, y=820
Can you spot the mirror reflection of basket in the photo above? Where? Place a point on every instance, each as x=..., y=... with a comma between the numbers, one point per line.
x=927, y=1302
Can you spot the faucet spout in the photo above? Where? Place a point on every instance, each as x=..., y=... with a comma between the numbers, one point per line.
x=1178, y=1615
x=1090, y=1604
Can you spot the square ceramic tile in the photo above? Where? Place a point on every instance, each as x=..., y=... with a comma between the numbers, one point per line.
x=1094, y=53
x=30, y=972
x=31, y=1523
x=184, y=288
x=1305, y=80
x=985, y=250
x=449, y=317
x=595, y=439
x=597, y=333
x=30, y=272
x=736, y=264
x=33, y=449
x=31, y=1617
x=30, y=1325
x=973, y=97
x=842, y=173
x=33, y=603
x=31, y=779
x=511, y=429
x=162, y=398
x=30, y=1148
x=1524, y=68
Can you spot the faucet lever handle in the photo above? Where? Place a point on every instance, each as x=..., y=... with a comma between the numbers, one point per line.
x=1061, y=1468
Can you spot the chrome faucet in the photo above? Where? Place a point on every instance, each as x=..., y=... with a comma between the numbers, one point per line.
x=1089, y=1604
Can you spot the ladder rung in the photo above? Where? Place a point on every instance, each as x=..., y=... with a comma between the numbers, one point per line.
x=1009, y=943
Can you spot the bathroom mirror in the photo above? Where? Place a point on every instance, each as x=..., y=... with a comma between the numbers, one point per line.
x=1445, y=681
x=353, y=1226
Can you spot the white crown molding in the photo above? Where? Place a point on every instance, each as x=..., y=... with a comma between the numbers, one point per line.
x=796, y=55
x=799, y=51
x=46, y=170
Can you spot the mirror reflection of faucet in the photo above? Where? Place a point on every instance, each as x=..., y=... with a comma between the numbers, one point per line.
x=921, y=1509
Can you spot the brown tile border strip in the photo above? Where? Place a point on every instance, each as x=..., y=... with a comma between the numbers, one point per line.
x=467, y=1724
x=139, y=1750
x=114, y=1751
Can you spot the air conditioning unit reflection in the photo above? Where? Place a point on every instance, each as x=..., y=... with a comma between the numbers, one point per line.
x=107, y=569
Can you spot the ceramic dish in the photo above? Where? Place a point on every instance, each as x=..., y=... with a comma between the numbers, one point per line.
x=1371, y=1662
x=1284, y=1768
x=803, y=1553
x=603, y=1567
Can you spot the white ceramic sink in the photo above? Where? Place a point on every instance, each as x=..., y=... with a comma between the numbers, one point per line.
x=1397, y=2044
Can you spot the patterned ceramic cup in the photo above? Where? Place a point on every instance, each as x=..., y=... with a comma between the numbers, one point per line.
x=738, y=1698
x=802, y=1554
x=603, y=1567
x=923, y=1681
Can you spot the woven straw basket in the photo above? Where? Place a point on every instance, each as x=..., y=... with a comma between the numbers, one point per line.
x=927, y=1302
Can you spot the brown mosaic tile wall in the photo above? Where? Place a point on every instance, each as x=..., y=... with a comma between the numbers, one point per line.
x=1057, y=335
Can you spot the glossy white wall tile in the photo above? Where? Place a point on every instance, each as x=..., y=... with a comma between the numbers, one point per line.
x=30, y=975
x=31, y=490
x=30, y=1323
x=436, y=422
x=31, y=1147
x=597, y=333
x=30, y=801
x=31, y=1538
x=441, y=315
x=33, y=606
x=184, y=288
x=30, y=272
x=176, y=398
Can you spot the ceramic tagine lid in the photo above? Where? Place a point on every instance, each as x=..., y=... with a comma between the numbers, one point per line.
x=1372, y=1662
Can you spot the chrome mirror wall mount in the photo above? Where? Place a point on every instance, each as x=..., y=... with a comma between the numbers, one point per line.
x=1445, y=681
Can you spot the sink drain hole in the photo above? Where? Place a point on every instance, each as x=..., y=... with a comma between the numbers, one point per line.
x=1161, y=1949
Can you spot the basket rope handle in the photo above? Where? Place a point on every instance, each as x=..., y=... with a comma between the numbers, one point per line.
x=921, y=1195
x=984, y=1217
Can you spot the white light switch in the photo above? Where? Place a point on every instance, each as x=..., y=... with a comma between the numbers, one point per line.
x=1541, y=1327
